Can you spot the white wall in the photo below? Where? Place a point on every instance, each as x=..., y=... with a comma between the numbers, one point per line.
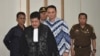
x=8, y=10
x=72, y=9
x=35, y=6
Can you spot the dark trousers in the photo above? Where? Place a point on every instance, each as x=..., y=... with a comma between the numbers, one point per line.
x=82, y=51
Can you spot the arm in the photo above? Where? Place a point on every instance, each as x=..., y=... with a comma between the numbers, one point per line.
x=52, y=46
x=72, y=35
x=23, y=44
x=72, y=44
x=67, y=37
x=93, y=40
x=7, y=39
x=94, y=45
x=72, y=48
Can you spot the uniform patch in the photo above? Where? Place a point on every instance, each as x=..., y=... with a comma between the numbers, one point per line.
x=76, y=30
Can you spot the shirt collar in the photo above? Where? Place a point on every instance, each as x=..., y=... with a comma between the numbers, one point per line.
x=20, y=27
x=56, y=19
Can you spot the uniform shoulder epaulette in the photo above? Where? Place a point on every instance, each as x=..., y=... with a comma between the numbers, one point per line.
x=75, y=25
x=90, y=25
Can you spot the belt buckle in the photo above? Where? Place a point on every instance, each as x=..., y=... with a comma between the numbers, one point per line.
x=80, y=47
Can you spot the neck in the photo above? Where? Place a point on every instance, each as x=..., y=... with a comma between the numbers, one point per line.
x=42, y=20
x=22, y=26
x=82, y=25
x=52, y=19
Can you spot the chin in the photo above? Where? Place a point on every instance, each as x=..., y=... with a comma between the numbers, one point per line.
x=82, y=23
x=34, y=26
x=51, y=17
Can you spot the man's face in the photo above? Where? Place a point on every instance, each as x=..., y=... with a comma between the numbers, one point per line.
x=82, y=19
x=43, y=15
x=21, y=19
x=35, y=22
x=51, y=13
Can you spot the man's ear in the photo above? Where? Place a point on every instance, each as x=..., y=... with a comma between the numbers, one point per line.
x=17, y=19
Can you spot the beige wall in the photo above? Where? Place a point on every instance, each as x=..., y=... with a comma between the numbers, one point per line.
x=9, y=9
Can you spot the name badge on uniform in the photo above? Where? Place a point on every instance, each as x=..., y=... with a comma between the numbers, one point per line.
x=35, y=33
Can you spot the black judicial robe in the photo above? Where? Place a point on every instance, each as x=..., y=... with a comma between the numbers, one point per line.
x=12, y=40
x=46, y=45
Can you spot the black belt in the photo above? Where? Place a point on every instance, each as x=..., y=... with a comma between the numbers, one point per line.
x=82, y=46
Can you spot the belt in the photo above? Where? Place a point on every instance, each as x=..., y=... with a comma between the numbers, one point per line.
x=82, y=46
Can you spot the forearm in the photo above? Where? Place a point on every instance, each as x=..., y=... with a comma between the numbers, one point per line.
x=7, y=43
x=94, y=43
x=94, y=46
x=72, y=44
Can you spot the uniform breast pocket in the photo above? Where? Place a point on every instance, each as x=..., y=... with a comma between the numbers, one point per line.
x=87, y=34
x=18, y=33
x=77, y=32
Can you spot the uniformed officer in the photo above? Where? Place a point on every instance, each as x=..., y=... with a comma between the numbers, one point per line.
x=82, y=36
x=43, y=14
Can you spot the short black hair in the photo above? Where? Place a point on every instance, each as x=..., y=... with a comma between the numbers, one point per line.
x=52, y=6
x=35, y=14
x=20, y=13
x=82, y=14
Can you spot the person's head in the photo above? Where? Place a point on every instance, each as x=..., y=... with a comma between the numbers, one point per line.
x=51, y=11
x=20, y=17
x=43, y=14
x=82, y=18
x=35, y=19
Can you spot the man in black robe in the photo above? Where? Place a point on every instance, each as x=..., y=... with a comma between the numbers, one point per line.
x=38, y=39
x=12, y=39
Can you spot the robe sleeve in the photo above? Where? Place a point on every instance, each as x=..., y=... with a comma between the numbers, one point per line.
x=52, y=46
x=23, y=44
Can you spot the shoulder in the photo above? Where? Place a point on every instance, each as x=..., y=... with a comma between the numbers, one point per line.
x=75, y=25
x=44, y=26
x=89, y=26
x=59, y=20
x=29, y=27
x=45, y=22
x=13, y=28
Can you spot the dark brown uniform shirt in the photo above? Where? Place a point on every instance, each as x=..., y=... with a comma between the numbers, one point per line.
x=82, y=36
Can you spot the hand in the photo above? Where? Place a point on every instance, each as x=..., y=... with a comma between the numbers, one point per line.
x=72, y=52
x=65, y=54
x=93, y=53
